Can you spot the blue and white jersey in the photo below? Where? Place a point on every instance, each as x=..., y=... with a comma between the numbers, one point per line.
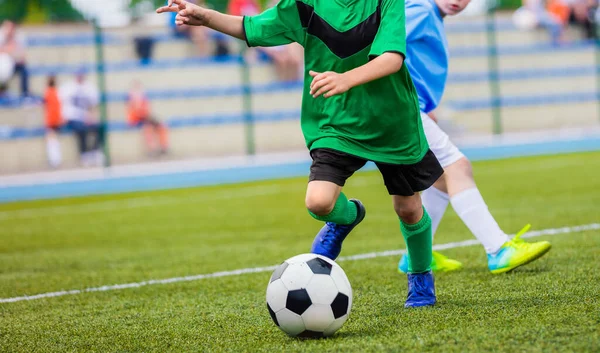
x=426, y=51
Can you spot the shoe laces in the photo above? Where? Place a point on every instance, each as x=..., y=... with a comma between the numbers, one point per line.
x=517, y=242
x=419, y=283
x=333, y=232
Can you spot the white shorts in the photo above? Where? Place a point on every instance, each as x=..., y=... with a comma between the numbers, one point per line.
x=439, y=142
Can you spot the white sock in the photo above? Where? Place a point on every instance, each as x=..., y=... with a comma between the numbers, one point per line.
x=435, y=202
x=53, y=150
x=473, y=211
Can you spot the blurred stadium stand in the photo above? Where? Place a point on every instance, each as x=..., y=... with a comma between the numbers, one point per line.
x=201, y=99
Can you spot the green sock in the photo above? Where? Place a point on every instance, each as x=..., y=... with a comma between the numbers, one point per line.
x=344, y=212
x=418, y=243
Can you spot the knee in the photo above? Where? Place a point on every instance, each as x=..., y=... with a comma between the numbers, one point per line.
x=320, y=205
x=409, y=210
x=460, y=168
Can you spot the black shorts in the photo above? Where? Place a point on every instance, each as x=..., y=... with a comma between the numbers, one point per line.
x=400, y=179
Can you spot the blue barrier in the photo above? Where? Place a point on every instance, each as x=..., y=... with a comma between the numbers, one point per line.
x=80, y=39
x=206, y=92
x=8, y=133
x=162, y=64
x=161, y=180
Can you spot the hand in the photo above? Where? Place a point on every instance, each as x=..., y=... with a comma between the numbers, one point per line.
x=328, y=84
x=187, y=13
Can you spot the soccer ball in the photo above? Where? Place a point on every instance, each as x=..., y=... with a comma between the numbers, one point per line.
x=309, y=295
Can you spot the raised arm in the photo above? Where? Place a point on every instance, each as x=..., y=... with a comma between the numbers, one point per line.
x=194, y=15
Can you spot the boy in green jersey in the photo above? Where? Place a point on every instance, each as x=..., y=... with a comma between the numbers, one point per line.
x=359, y=104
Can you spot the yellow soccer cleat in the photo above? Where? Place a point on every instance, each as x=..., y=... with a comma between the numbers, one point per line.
x=439, y=263
x=517, y=252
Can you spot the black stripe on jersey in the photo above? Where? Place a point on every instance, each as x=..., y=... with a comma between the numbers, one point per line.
x=342, y=44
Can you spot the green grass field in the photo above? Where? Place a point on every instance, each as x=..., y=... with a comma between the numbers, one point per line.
x=46, y=246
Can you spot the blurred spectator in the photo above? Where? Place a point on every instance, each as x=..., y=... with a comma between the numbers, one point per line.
x=583, y=13
x=7, y=69
x=556, y=15
x=53, y=122
x=79, y=100
x=534, y=14
x=243, y=7
x=288, y=59
x=155, y=133
x=197, y=34
x=13, y=43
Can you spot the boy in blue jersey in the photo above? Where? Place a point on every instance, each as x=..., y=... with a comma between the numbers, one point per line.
x=427, y=61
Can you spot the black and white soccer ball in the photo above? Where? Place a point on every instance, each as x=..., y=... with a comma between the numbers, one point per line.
x=309, y=295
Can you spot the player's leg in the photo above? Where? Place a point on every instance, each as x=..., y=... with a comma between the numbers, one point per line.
x=460, y=187
x=326, y=202
x=404, y=183
x=436, y=198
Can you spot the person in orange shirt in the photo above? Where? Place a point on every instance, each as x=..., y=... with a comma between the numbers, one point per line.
x=155, y=133
x=53, y=122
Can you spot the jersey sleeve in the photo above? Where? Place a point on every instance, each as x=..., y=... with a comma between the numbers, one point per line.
x=278, y=25
x=418, y=18
x=391, y=36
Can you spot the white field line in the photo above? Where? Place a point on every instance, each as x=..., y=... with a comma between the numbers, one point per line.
x=460, y=244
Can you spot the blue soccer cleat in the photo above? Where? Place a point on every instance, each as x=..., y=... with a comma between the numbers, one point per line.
x=421, y=290
x=328, y=241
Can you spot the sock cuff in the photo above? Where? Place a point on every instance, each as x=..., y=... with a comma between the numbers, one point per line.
x=467, y=195
x=424, y=222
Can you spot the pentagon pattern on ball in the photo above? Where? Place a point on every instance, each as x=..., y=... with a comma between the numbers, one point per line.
x=296, y=276
x=322, y=289
x=298, y=301
x=340, y=305
x=302, y=258
x=276, y=295
x=310, y=334
x=318, y=317
x=341, y=281
x=289, y=322
x=319, y=266
x=273, y=316
x=278, y=272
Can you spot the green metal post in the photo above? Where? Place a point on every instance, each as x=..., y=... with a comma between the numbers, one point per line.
x=247, y=103
x=493, y=76
x=597, y=61
x=100, y=74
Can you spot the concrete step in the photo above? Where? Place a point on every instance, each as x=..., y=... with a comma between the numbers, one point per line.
x=481, y=90
x=120, y=45
x=165, y=109
x=541, y=60
x=218, y=75
x=290, y=100
x=127, y=147
x=521, y=119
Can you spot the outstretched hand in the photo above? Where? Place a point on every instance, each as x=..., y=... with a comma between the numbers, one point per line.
x=328, y=84
x=187, y=13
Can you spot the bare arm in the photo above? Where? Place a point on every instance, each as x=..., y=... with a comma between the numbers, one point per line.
x=331, y=83
x=194, y=15
x=227, y=24
x=383, y=65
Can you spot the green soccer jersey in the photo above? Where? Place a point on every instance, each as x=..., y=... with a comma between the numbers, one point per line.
x=380, y=120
